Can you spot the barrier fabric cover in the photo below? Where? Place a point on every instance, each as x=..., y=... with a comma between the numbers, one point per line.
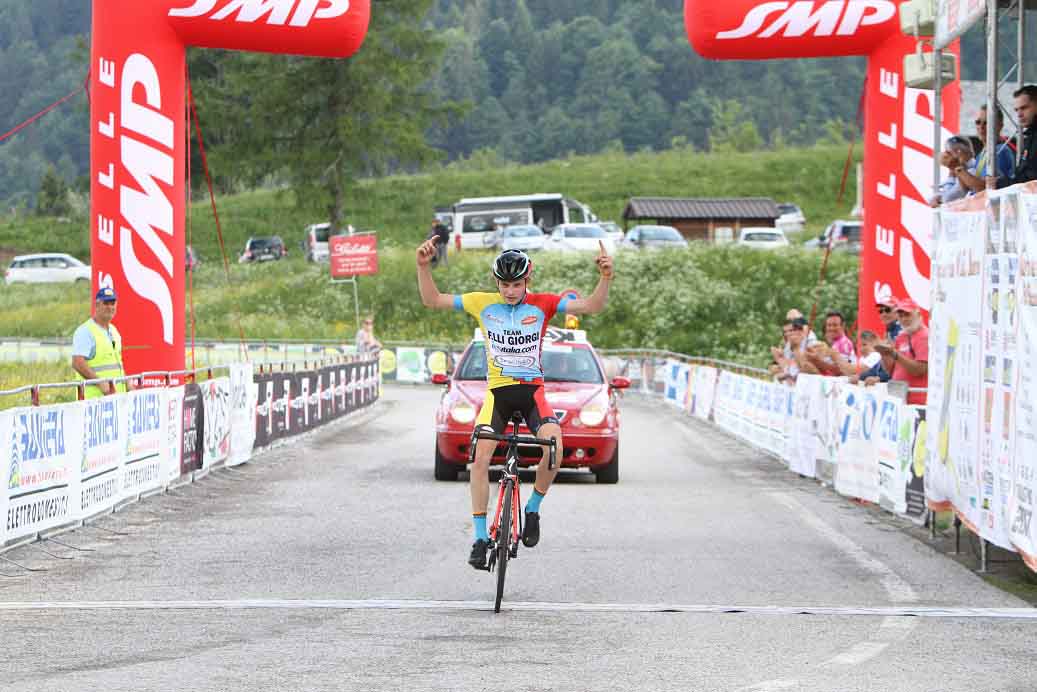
x=898, y=121
x=68, y=462
x=137, y=140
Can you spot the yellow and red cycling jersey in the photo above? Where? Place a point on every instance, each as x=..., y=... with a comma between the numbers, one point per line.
x=514, y=334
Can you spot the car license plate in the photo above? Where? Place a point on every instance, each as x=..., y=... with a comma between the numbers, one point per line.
x=266, y=256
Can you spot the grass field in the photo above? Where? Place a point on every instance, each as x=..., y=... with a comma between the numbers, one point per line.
x=399, y=207
x=723, y=302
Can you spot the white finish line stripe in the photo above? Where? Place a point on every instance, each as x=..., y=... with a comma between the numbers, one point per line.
x=376, y=604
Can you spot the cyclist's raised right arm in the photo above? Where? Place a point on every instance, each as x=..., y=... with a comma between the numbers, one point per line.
x=430, y=295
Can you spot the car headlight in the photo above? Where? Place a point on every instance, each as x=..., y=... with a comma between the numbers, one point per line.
x=463, y=412
x=592, y=414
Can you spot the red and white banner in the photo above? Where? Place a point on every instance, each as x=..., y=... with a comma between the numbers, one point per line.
x=353, y=255
x=137, y=142
x=898, y=122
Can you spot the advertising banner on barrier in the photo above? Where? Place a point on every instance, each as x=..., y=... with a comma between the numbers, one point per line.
x=887, y=435
x=42, y=476
x=145, y=441
x=216, y=403
x=856, y=473
x=954, y=394
x=1022, y=501
x=192, y=429
x=803, y=441
x=676, y=374
x=704, y=392
x=104, y=444
x=6, y=420
x=172, y=449
x=264, y=409
x=243, y=392
x=410, y=365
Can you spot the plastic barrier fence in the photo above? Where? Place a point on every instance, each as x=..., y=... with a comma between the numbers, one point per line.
x=68, y=462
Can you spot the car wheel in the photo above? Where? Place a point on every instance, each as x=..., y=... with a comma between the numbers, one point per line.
x=445, y=471
x=610, y=472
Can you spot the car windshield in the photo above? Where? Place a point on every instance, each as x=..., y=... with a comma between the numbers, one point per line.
x=561, y=364
x=763, y=237
x=851, y=232
x=521, y=232
x=584, y=232
x=261, y=243
x=660, y=233
x=788, y=208
x=320, y=235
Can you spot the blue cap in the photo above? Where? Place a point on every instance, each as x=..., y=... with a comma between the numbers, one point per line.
x=106, y=295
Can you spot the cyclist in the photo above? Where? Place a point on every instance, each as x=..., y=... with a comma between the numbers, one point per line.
x=513, y=322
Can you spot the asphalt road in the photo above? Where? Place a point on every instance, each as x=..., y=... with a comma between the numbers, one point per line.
x=339, y=564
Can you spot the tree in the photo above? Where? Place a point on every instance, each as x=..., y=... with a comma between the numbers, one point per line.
x=324, y=123
x=52, y=199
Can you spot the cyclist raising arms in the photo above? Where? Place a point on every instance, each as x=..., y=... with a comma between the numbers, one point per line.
x=513, y=322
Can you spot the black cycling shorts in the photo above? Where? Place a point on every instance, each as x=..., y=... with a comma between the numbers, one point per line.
x=527, y=399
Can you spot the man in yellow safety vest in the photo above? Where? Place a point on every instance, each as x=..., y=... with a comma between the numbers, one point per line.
x=97, y=348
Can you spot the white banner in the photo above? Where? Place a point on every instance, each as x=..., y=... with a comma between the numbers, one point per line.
x=954, y=393
x=894, y=434
x=104, y=437
x=244, y=395
x=954, y=17
x=676, y=391
x=173, y=446
x=145, y=441
x=43, y=463
x=410, y=365
x=1023, y=493
x=803, y=441
x=216, y=402
x=703, y=392
x=857, y=472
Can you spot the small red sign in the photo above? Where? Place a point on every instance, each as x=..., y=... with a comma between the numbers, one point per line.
x=353, y=255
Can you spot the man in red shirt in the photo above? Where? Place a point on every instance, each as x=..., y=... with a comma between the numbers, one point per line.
x=908, y=359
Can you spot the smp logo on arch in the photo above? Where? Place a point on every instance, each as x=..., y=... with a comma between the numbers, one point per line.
x=276, y=12
x=804, y=17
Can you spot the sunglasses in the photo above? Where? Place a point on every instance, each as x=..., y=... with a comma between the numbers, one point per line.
x=980, y=122
x=884, y=309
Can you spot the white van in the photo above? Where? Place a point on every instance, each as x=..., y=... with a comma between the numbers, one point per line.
x=477, y=218
x=315, y=244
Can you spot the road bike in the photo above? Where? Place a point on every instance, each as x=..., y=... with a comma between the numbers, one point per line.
x=506, y=530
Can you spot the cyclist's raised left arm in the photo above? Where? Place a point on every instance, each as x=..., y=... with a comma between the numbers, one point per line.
x=597, y=300
x=430, y=295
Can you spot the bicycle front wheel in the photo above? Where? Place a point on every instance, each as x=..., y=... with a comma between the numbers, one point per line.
x=502, y=547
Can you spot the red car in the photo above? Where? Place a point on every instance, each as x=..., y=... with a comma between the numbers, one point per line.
x=574, y=382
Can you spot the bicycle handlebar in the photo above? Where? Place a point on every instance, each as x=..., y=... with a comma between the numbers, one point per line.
x=515, y=439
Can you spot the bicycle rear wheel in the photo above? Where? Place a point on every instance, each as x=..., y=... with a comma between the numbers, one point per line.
x=502, y=547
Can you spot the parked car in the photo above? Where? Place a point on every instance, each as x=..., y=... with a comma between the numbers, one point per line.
x=524, y=237
x=844, y=235
x=264, y=249
x=792, y=219
x=49, y=267
x=576, y=237
x=585, y=404
x=762, y=238
x=613, y=230
x=191, y=259
x=654, y=237
x=315, y=242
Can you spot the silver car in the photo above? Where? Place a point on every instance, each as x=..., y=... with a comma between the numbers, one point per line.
x=521, y=237
x=50, y=267
x=655, y=237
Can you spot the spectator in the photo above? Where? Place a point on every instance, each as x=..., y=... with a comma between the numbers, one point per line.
x=908, y=359
x=975, y=178
x=366, y=343
x=785, y=369
x=887, y=313
x=97, y=348
x=1026, y=110
x=811, y=337
x=957, y=157
x=441, y=234
x=836, y=356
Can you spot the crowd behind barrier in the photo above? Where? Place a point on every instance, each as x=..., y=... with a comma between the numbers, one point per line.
x=69, y=462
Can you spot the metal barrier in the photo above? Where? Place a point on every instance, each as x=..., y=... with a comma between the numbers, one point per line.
x=166, y=378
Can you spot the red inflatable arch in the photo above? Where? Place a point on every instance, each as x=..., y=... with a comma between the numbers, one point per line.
x=137, y=140
x=898, y=121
